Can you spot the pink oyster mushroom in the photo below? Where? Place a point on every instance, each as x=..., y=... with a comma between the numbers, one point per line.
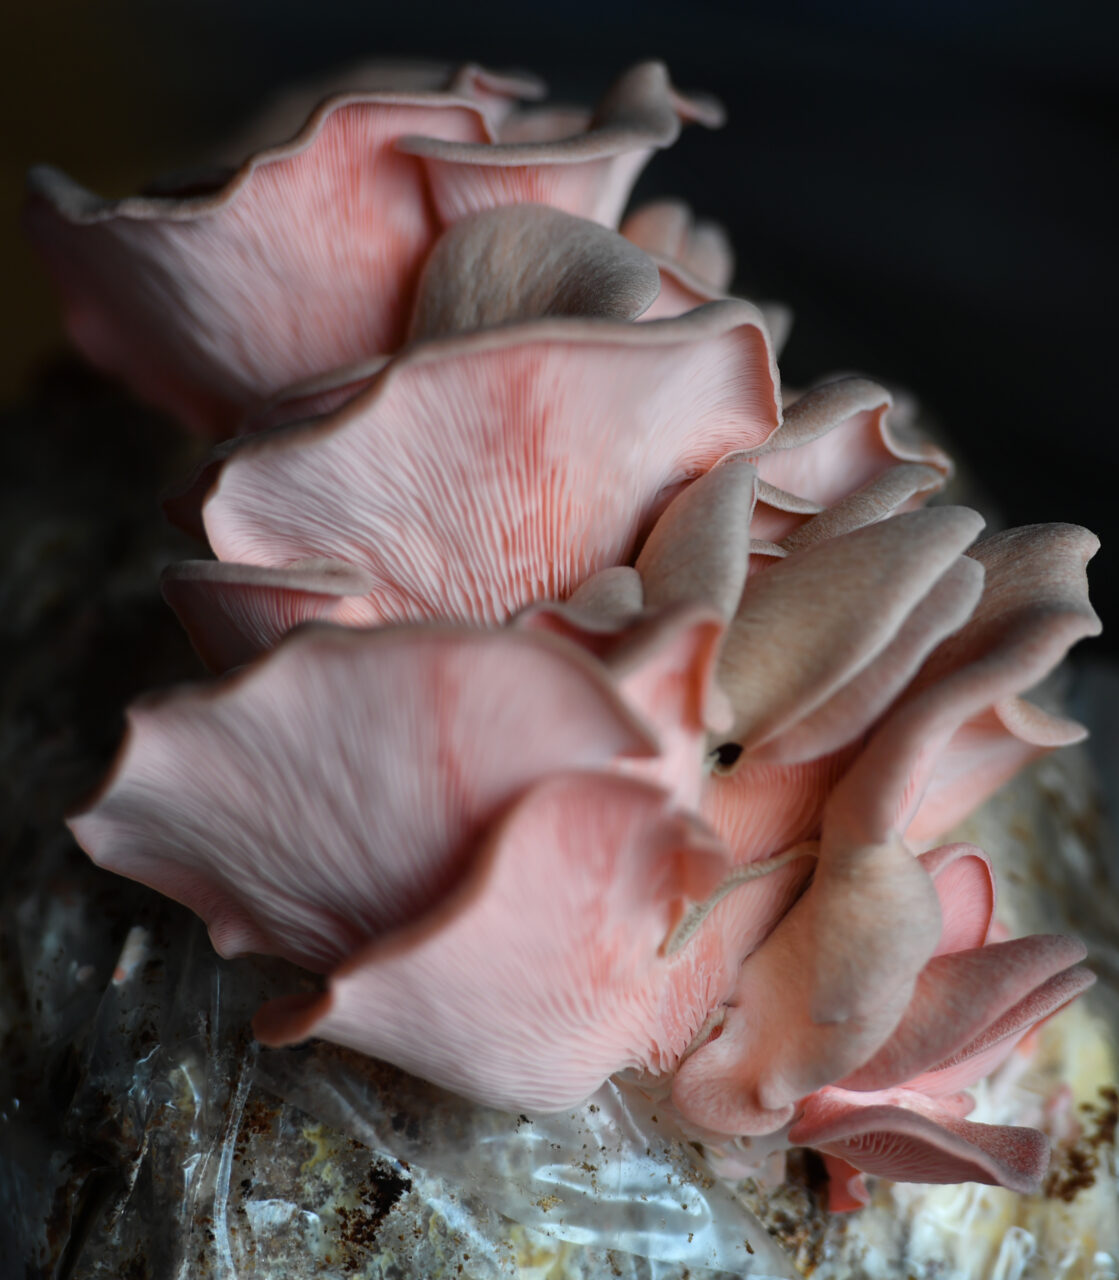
x=306, y=259
x=487, y=840
x=902, y=1115
x=864, y=617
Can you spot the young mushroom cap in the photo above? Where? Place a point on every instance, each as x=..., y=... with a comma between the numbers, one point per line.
x=908, y=1137
x=545, y=973
x=962, y=729
x=525, y=262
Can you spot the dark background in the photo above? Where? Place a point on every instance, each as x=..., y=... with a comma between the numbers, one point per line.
x=930, y=186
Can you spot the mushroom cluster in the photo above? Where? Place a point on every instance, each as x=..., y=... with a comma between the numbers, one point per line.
x=584, y=705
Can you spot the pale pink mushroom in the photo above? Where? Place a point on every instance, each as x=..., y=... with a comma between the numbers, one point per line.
x=863, y=988
x=522, y=461
x=833, y=635
x=304, y=260
x=818, y=646
x=831, y=984
x=525, y=262
x=908, y=1137
x=959, y=730
x=500, y=267
x=491, y=841
x=662, y=663
x=672, y=958
x=497, y=93
x=546, y=973
x=835, y=440
x=964, y=725
x=310, y=803
x=475, y=474
x=835, y=464
x=978, y=995
x=880, y=640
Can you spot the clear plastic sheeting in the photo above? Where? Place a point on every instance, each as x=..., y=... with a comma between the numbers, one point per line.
x=192, y=1153
x=611, y=1173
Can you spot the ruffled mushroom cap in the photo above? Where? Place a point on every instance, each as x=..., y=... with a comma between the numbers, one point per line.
x=497, y=93
x=977, y=997
x=818, y=646
x=602, y=417
x=969, y=1010
x=877, y=1018
x=584, y=166
x=489, y=840
x=546, y=973
x=824, y=640
x=480, y=472
x=835, y=464
x=834, y=441
x=856, y=984
x=500, y=267
x=336, y=790
x=306, y=259
x=1016, y=602
x=960, y=730
x=963, y=724
x=832, y=635
x=909, y=1137
x=662, y=663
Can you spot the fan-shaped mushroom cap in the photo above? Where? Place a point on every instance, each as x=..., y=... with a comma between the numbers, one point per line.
x=482, y=472
x=525, y=262
x=306, y=259
x=834, y=440
x=545, y=973
x=970, y=1008
x=336, y=790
